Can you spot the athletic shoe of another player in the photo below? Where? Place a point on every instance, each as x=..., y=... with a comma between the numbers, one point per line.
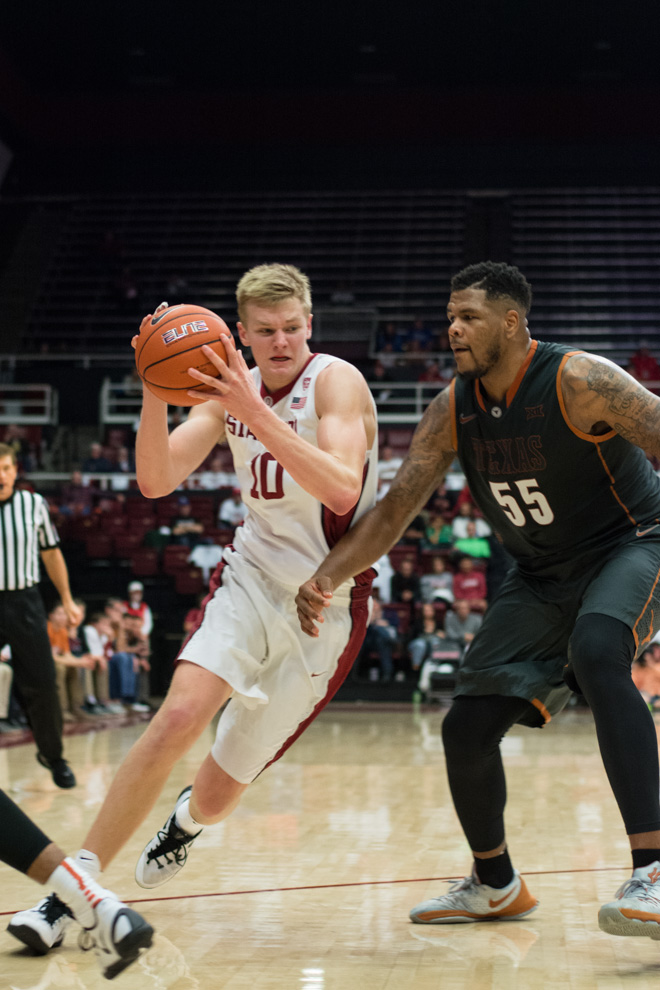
x=42, y=928
x=167, y=853
x=469, y=900
x=636, y=909
x=117, y=934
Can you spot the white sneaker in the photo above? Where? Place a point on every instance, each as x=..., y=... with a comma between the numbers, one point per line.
x=117, y=935
x=167, y=853
x=469, y=900
x=636, y=910
x=41, y=928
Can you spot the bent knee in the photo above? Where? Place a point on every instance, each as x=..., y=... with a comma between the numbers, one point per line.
x=599, y=647
x=176, y=722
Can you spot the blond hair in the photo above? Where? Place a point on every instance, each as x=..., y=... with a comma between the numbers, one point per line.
x=6, y=450
x=270, y=284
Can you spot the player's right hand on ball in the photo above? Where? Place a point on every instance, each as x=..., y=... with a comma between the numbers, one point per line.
x=149, y=316
x=313, y=596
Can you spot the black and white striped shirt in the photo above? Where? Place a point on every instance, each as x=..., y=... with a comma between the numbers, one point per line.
x=25, y=529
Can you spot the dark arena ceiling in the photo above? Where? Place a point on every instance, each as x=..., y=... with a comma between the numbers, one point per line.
x=357, y=85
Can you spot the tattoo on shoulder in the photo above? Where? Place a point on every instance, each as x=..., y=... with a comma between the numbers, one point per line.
x=632, y=411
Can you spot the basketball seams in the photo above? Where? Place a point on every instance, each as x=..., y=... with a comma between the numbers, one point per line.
x=169, y=357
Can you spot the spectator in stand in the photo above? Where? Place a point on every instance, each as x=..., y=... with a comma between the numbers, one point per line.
x=95, y=664
x=6, y=677
x=388, y=465
x=125, y=461
x=435, y=373
x=380, y=638
x=128, y=650
x=643, y=365
x=382, y=583
x=233, y=510
x=380, y=377
x=136, y=605
x=419, y=336
x=391, y=339
x=67, y=665
x=124, y=464
x=429, y=649
x=471, y=544
x=413, y=534
x=77, y=498
x=470, y=583
x=186, y=530
x=438, y=584
x=441, y=502
x=193, y=616
x=216, y=477
x=16, y=437
x=97, y=462
x=206, y=556
x=438, y=532
x=465, y=514
x=405, y=585
x=461, y=624
x=97, y=638
x=425, y=633
x=137, y=644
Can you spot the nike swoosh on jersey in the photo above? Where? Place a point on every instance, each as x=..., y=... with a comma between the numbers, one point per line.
x=466, y=419
x=649, y=529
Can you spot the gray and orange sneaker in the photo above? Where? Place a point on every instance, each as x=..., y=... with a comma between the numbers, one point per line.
x=636, y=910
x=470, y=900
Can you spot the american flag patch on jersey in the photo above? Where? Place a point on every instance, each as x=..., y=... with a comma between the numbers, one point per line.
x=298, y=402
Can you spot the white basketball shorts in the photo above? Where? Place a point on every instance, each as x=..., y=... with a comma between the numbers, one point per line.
x=281, y=678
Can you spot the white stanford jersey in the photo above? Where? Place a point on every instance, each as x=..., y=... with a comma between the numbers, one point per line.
x=287, y=532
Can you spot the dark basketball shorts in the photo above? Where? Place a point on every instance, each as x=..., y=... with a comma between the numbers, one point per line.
x=521, y=648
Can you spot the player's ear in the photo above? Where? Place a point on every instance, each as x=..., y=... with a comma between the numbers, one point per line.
x=512, y=321
x=242, y=335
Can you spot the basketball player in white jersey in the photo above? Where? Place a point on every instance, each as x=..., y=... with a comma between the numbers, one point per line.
x=302, y=431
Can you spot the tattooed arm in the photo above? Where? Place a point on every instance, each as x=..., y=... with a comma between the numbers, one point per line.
x=599, y=396
x=426, y=464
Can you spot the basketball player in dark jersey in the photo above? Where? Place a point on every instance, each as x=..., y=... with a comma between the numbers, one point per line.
x=552, y=444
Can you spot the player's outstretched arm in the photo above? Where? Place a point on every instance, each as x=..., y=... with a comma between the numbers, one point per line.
x=600, y=396
x=428, y=460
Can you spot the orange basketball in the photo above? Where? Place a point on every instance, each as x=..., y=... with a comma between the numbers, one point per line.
x=170, y=343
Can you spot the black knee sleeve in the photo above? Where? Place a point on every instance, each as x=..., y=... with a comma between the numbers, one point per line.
x=600, y=647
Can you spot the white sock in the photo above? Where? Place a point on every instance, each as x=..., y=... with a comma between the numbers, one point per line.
x=185, y=820
x=89, y=862
x=78, y=891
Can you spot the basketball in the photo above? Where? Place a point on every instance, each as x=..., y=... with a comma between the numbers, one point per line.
x=170, y=343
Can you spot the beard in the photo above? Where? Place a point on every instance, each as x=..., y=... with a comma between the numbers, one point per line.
x=490, y=359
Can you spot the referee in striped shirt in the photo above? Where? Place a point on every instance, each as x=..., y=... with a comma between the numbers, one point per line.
x=26, y=533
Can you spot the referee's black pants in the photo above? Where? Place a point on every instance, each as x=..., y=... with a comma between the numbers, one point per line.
x=23, y=624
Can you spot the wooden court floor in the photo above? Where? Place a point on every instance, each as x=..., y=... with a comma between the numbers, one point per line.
x=308, y=885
